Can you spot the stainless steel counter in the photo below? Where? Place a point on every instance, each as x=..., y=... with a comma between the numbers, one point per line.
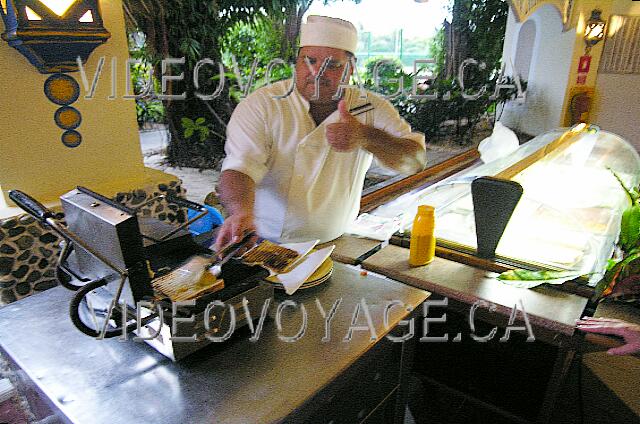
x=240, y=381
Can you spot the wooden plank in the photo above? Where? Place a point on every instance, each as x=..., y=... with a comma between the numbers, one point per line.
x=546, y=308
x=576, y=287
x=559, y=144
x=349, y=248
x=466, y=258
x=432, y=174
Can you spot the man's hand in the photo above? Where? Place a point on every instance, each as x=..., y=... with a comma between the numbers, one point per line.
x=400, y=154
x=629, y=332
x=348, y=133
x=233, y=229
x=237, y=192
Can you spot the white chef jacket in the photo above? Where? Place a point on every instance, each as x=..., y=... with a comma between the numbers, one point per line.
x=304, y=189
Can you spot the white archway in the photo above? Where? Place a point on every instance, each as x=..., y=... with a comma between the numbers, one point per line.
x=524, y=49
x=546, y=50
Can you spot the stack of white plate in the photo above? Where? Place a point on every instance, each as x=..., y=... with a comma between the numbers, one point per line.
x=322, y=274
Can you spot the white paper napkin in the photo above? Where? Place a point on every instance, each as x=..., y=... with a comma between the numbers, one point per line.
x=292, y=280
x=302, y=248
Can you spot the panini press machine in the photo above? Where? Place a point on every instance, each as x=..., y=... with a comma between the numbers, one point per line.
x=111, y=256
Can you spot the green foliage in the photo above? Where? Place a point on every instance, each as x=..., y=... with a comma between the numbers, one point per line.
x=630, y=223
x=622, y=273
x=388, y=70
x=450, y=115
x=191, y=127
x=149, y=112
x=481, y=26
x=630, y=228
x=437, y=51
x=527, y=275
x=148, y=109
x=193, y=29
x=258, y=39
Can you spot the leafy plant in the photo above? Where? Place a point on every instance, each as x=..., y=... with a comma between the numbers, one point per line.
x=437, y=50
x=523, y=278
x=192, y=29
x=388, y=70
x=255, y=41
x=479, y=28
x=450, y=115
x=149, y=111
x=198, y=126
x=622, y=278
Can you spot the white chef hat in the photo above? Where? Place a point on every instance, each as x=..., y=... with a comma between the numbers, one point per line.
x=329, y=32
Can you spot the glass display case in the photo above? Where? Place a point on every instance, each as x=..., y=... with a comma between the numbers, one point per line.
x=569, y=215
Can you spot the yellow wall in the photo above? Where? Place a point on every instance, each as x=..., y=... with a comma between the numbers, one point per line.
x=32, y=156
x=616, y=107
x=582, y=13
x=625, y=7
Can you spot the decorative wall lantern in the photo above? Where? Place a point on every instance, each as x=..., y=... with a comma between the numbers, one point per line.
x=51, y=34
x=594, y=30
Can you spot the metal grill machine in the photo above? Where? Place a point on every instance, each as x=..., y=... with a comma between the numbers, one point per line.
x=112, y=257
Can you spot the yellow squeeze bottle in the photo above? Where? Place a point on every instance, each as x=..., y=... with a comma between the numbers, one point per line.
x=422, y=249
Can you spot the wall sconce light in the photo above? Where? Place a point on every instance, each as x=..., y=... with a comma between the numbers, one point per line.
x=594, y=30
x=51, y=34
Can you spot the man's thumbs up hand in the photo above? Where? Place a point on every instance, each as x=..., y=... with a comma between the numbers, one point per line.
x=345, y=116
x=348, y=133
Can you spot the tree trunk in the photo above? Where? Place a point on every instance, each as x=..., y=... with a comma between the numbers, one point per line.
x=293, y=23
x=459, y=36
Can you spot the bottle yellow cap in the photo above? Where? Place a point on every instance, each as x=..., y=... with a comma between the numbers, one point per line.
x=426, y=210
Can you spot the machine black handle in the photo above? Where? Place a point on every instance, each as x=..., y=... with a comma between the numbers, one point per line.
x=30, y=205
x=185, y=203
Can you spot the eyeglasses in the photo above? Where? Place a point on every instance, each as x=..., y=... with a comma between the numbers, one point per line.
x=331, y=65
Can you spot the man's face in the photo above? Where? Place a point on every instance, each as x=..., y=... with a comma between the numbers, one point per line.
x=308, y=64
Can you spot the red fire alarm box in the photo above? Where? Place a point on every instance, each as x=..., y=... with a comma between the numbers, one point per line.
x=584, y=64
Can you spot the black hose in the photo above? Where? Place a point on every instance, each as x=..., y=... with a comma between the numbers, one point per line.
x=74, y=312
x=65, y=278
x=64, y=275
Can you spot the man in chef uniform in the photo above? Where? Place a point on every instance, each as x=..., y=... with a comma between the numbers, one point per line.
x=297, y=157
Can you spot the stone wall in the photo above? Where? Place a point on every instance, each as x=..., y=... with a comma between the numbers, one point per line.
x=29, y=251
